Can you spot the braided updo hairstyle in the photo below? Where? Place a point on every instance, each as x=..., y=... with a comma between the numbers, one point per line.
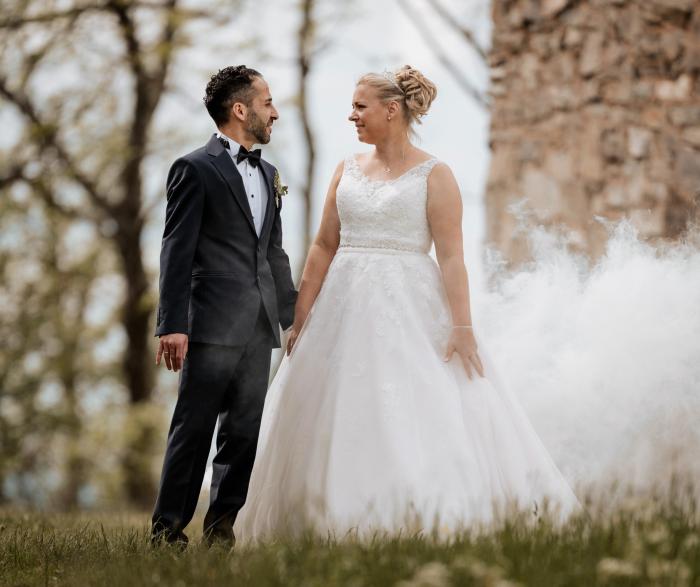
x=408, y=86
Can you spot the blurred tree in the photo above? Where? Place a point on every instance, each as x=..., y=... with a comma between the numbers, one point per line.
x=317, y=26
x=305, y=54
x=46, y=361
x=447, y=60
x=86, y=80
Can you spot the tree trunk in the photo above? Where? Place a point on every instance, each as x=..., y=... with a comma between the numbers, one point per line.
x=138, y=371
x=304, y=61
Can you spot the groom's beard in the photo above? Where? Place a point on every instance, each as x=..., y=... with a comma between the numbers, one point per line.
x=257, y=128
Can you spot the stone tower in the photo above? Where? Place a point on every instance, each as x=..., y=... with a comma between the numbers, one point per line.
x=596, y=112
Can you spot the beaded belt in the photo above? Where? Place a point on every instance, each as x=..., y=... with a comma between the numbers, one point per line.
x=396, y=249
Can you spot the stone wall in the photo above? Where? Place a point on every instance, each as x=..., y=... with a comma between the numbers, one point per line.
x=596, y=112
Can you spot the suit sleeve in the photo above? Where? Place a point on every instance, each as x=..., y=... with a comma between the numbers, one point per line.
x=183, y=218
x=281, y=272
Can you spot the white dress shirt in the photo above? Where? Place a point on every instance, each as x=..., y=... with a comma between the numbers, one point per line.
x=252, y=181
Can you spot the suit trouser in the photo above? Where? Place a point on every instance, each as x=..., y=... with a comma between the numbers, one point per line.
x=224, y=383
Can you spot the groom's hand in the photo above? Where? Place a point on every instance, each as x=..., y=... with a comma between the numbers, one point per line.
x=173, y=348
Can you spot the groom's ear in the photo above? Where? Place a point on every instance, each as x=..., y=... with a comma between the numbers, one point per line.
x=239, y=111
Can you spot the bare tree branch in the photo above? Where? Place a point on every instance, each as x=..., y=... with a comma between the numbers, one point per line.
x=454, y=70
x=466, y=33
x=47, y=135
x=166, y=48
x=12, y=176
x=49, y=198
x=16, y=174
x=17, y=21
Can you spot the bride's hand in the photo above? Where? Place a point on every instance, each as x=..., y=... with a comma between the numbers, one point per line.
x=462, y=342
x=291, y=339
x=294, y=333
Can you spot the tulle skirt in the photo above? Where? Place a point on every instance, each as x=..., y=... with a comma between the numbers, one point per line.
x=367, y=429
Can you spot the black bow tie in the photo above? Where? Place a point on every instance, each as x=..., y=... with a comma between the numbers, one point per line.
x=252, y=156
x=243, y=153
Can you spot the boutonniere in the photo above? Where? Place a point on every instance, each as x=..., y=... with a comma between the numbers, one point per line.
x=280, y=188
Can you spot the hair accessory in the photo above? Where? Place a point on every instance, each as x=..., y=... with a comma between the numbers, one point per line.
x=389, y=75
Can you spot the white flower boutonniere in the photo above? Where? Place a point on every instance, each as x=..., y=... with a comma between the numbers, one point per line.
x=280, y=188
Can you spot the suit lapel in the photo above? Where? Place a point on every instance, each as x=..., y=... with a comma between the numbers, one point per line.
x=223, y=163
x=267, y=173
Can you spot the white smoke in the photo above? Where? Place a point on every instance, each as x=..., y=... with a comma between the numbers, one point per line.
x=605, y=358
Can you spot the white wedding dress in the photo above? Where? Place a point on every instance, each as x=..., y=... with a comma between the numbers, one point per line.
x=365, y=427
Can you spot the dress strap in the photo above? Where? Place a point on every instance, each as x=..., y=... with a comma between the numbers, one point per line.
x=424, y=169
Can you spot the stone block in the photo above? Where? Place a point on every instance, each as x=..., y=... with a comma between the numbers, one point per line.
x=530, y=151
x=671, y=45
x=692, y=135
x=674, y=90
x=642, y=90
x=559, y=165
x=687, y=174
x=685, y=115
x=612, y=145
x=590, y=91
x=529, y=68
x=541, y=46
x=615, y=195
x=672, y=7
x=591, y=59
x=573, y=37
x=498, y=73
x=553, y=7
x=543, y=193
x=638, y=140
x=503, y=166
x=654, y=117
x=590, y=163
x=618, y=91
x=649, y=221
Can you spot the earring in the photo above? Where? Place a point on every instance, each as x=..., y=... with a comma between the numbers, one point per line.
x=388, y=117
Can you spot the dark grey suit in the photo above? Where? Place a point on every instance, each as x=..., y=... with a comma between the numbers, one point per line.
x=228, y=289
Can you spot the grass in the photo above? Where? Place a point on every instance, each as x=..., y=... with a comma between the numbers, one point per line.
x=650, y=541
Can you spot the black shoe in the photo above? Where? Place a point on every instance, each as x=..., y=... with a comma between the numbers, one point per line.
x=169, y=537
x=220, y=535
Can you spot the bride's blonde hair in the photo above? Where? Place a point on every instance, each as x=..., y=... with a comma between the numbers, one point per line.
x=408, y=86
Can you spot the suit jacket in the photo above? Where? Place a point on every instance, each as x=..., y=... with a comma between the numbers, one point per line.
x=214, y=269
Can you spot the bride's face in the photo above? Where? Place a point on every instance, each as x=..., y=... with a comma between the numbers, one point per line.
x=369, y=114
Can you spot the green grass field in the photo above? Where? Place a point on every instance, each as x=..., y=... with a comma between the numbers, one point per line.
x=651, y=541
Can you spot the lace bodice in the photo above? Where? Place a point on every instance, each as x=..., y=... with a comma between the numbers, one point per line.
x=384, y=214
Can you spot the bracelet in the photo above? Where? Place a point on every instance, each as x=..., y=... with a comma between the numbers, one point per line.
x=463, y=326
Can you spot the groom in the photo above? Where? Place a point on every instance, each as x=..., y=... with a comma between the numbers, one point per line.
x=225, y=288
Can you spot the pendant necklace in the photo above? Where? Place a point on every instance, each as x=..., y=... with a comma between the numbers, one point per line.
x=387, y=169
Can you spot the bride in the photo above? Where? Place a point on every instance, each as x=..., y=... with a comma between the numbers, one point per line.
x=386, y=414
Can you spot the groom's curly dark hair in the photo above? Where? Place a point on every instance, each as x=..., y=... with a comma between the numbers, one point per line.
x=226, y=87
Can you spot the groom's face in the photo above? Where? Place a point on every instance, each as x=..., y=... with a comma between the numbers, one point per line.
x=261, y=113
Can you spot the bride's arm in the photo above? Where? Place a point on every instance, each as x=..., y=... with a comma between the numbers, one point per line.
x=318, y=260
x=445, y=218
